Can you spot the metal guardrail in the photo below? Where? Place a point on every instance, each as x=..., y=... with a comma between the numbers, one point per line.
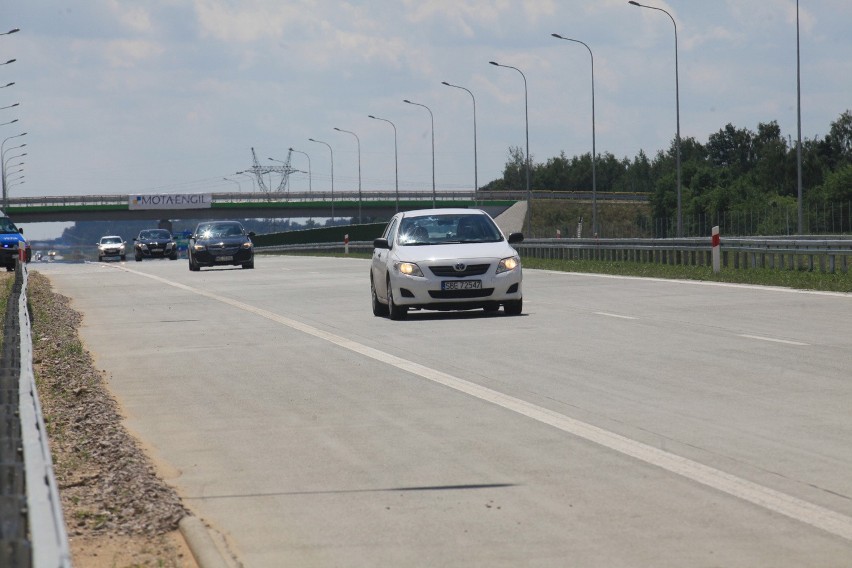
x=825, y=255
x=32, y=529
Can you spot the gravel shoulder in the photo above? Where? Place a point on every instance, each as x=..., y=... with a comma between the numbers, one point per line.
x=118, y=511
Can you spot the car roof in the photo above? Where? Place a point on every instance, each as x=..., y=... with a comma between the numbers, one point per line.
x=446, y=211
x=111, y=237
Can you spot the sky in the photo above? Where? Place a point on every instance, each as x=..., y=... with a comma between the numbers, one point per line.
x=169, y=96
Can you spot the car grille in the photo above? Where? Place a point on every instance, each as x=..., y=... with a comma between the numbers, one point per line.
x=449, y=271
x=219, y=250
x=460, y=294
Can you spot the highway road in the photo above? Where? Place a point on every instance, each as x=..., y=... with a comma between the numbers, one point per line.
x=619, y=422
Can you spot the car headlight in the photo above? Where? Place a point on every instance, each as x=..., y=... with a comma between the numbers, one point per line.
x=121, y=248
x=408, y=268
x=508, y=264
x=247, y=245
x=198, y=247
x=169, y=245
x=143, y=246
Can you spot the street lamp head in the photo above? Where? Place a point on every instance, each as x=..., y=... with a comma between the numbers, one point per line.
x=370, y=116
x=445, y=83
x=336, y=128
x=407, y=101
x=494, y=63
x=634, y=3
x=10, y=61
x=290, y=148
x=12, y=31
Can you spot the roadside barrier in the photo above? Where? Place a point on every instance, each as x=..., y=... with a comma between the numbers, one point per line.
x=32, y=529
x=824, y=255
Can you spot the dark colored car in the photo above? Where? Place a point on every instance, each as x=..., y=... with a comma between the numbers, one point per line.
x=155, y=243
x=218, y=243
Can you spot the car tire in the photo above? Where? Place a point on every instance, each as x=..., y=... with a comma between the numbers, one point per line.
x=124, y=257
x=193, y=266
x=379, y=309
x=491, y=308
x=395, y=312
x=514, y=308
x=173, y=256
x=249, y=264
x=138, y=258
x=100, y=258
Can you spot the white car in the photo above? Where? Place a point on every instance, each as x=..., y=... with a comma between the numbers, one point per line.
x=112, y=246
x=445, y=259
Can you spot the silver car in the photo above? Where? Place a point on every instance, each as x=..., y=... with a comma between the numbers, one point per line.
x=445, y=259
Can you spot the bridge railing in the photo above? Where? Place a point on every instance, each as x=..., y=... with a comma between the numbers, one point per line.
x=327, y=196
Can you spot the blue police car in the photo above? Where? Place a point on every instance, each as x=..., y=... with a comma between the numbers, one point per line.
x=10, y=236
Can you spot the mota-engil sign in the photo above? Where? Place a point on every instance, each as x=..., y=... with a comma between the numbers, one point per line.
x=171, y=201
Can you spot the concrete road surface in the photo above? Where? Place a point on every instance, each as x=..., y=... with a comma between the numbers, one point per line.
x=619, y=422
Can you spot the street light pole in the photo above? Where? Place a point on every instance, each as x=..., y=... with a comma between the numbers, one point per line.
x=395, y=160
x=594, y=151
x=799, y=121
x=527, y=120
x=475, y=161
x=332, y=174
x=3, y=166
x=677, y=108
x=310, y=183
x=358, y=141
x=432, y=117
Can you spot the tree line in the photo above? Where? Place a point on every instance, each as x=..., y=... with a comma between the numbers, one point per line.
x=736, y=171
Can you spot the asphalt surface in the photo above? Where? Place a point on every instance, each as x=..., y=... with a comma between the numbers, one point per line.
x=617, y=422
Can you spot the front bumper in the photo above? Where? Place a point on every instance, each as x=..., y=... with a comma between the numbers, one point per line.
x=426, y=292
x=223, y=257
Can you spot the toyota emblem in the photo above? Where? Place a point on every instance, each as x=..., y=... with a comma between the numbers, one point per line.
x=460, y=267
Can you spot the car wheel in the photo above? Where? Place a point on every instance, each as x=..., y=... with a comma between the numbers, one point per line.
x=193, y=266
x=394, y=311
x=173, y=256
x=379, y=309
x=138, y=258
x=249, y=264
x=124, y=257
x=100, y=258
x=514, y=308
x=491, y=308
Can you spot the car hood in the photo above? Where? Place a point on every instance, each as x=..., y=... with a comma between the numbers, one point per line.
x=232, y=241
x=454, y=251
x=8, y=239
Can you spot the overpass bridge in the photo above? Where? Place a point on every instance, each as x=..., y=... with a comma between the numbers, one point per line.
x=370, y=205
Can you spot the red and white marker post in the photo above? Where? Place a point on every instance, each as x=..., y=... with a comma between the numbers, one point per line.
x=346, y=243
x=715, y=243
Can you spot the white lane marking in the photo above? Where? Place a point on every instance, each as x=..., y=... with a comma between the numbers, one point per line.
x=695, y=283
x=787, y=505
x=774, y=340
x=615, y=316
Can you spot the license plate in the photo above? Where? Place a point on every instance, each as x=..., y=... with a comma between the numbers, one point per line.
x=224, y=258
x=461, y=285
x=156, y=250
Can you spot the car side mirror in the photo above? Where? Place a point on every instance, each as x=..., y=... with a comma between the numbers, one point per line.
x=134, y=239
x=21, y=231
x=516, y=238
x=381, y=243
x=251, y=233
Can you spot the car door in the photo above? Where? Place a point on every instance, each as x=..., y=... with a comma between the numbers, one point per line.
x=381, y=258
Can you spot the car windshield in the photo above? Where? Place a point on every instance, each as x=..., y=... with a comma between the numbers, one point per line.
x=155, y=234
x=218, y=230
x=111, y=241
x=448, y=228
x=6, y=226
